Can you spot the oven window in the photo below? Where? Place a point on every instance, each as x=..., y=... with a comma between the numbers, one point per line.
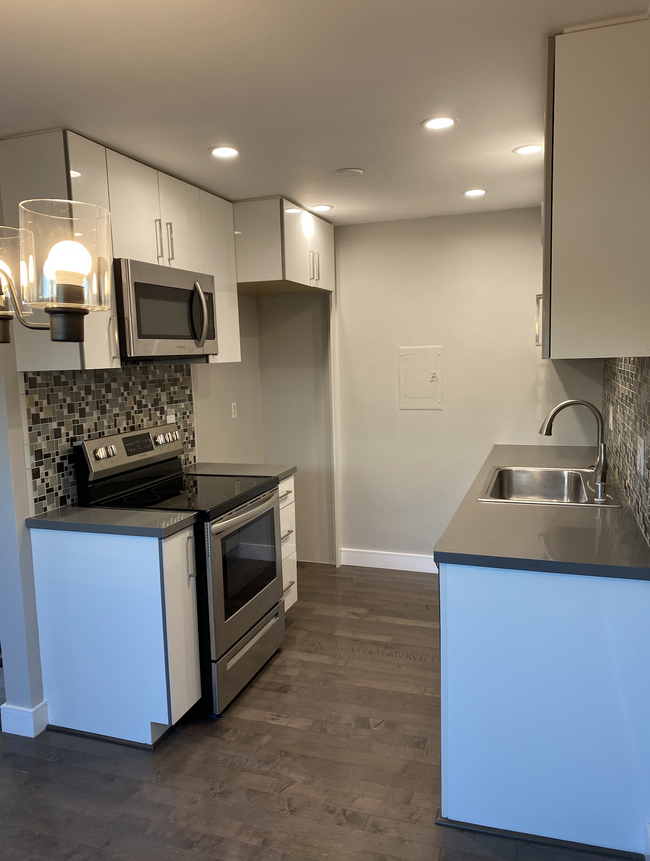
x=248, y=558
x=164, y=312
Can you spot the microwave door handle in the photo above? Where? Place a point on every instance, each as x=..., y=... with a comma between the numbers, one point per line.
x=204, y=315
x=240, y=519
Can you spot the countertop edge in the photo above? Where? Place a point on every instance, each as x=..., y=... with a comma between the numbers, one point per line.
x=110, y=528
x=254, y=470
x=550, y=567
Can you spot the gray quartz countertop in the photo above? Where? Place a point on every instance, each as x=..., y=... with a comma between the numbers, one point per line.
x=253, y=469
x=116, y=521
x=586, y=539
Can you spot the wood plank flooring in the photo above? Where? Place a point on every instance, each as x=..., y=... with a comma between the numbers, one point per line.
x=331, y=754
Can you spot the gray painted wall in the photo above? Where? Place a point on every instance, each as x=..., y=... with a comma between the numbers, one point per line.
x=296, y=419
x=219, y=437
x=467, y=282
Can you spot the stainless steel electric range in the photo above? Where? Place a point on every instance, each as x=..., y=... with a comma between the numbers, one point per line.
x=239, y=557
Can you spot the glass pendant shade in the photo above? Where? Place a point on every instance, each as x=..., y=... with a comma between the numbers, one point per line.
x=70, y=259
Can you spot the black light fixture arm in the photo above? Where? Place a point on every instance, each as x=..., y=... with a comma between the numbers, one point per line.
x=18, y=308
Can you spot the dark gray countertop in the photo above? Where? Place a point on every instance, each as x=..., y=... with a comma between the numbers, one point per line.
x=253, y=469
x=591, y=540
x=115, y=521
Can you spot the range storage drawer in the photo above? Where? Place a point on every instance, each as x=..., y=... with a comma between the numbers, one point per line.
x=286, y=491
x=288, y=530
x=290, y=580
x=239, y=665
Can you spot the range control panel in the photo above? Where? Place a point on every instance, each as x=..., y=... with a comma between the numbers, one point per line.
x=110, y=455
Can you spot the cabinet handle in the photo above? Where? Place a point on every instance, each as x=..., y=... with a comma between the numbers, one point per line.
x=170, y=240
x=114, y=338
x=189, y=550
x=317, y=259
x=286, y=534
x=285, y=494
x=160, y=251
x=291, y=583
x=311, y=266
x=539, y=314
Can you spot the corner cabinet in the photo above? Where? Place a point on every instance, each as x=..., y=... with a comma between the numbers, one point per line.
x=282, y=248
x=597, y=200
x=117, y=623
x=67, y=166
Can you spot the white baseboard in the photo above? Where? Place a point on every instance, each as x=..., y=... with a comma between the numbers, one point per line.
x=21, y=721
x=393, y=561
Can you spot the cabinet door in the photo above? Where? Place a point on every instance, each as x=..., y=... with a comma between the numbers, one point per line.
x=182, y=625
x=34, y=167
x=299, y=237
x=258, y=240
x=323, y=245
x=218, y=241
x=89, y=183
x=135, y=209
x=600, y=302
x=180, y=212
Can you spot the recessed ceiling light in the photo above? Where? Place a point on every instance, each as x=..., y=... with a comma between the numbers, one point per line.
x=322, y=207
x=74, y=174
x=439, y=123
x=529, y=149
x=349, y=171
x=293, y=211
x=225, y=151
x=474, y=192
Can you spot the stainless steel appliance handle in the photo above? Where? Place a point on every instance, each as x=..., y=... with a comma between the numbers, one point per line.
x=160, y=251
x=170, y=241
x=204, y=312
x=239, y=519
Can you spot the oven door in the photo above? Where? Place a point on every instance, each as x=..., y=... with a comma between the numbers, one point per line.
x=164, y=311
x=245, y=569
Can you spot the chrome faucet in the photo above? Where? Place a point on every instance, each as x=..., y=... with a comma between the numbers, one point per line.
x=600, y=469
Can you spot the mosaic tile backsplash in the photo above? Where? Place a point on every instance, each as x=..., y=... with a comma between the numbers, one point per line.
x=626, y=391
x=65, y=406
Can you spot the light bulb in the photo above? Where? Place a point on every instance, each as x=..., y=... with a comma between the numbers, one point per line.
x=68, y=263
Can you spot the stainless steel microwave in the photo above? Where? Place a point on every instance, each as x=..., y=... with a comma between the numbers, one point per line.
x=164, y=311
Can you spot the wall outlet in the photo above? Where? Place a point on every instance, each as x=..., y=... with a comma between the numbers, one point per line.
x=233, y=409
x=640, y=456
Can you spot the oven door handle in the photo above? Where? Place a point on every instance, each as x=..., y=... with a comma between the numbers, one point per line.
x=251, y=514
x=204, y=315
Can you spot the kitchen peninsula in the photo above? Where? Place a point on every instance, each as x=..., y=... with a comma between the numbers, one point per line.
x=544, y=650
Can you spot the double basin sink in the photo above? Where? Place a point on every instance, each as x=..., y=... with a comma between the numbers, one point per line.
x=543, y=486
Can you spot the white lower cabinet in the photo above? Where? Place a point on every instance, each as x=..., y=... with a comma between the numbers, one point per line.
x=117, y=630
x=288, y=541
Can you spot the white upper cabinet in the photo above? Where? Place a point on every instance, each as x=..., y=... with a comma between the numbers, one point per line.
x=218, y=250
x=282, y=248
x=135, y=209
x=156, y=218
x=180, y=213
x=42, y=166
x=597, y=301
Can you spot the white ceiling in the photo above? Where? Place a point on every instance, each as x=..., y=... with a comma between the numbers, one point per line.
x=302, y=87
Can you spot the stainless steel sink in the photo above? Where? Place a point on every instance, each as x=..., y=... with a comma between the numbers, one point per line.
x=542, y=486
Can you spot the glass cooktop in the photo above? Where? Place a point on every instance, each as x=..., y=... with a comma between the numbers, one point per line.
x=209, y=495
